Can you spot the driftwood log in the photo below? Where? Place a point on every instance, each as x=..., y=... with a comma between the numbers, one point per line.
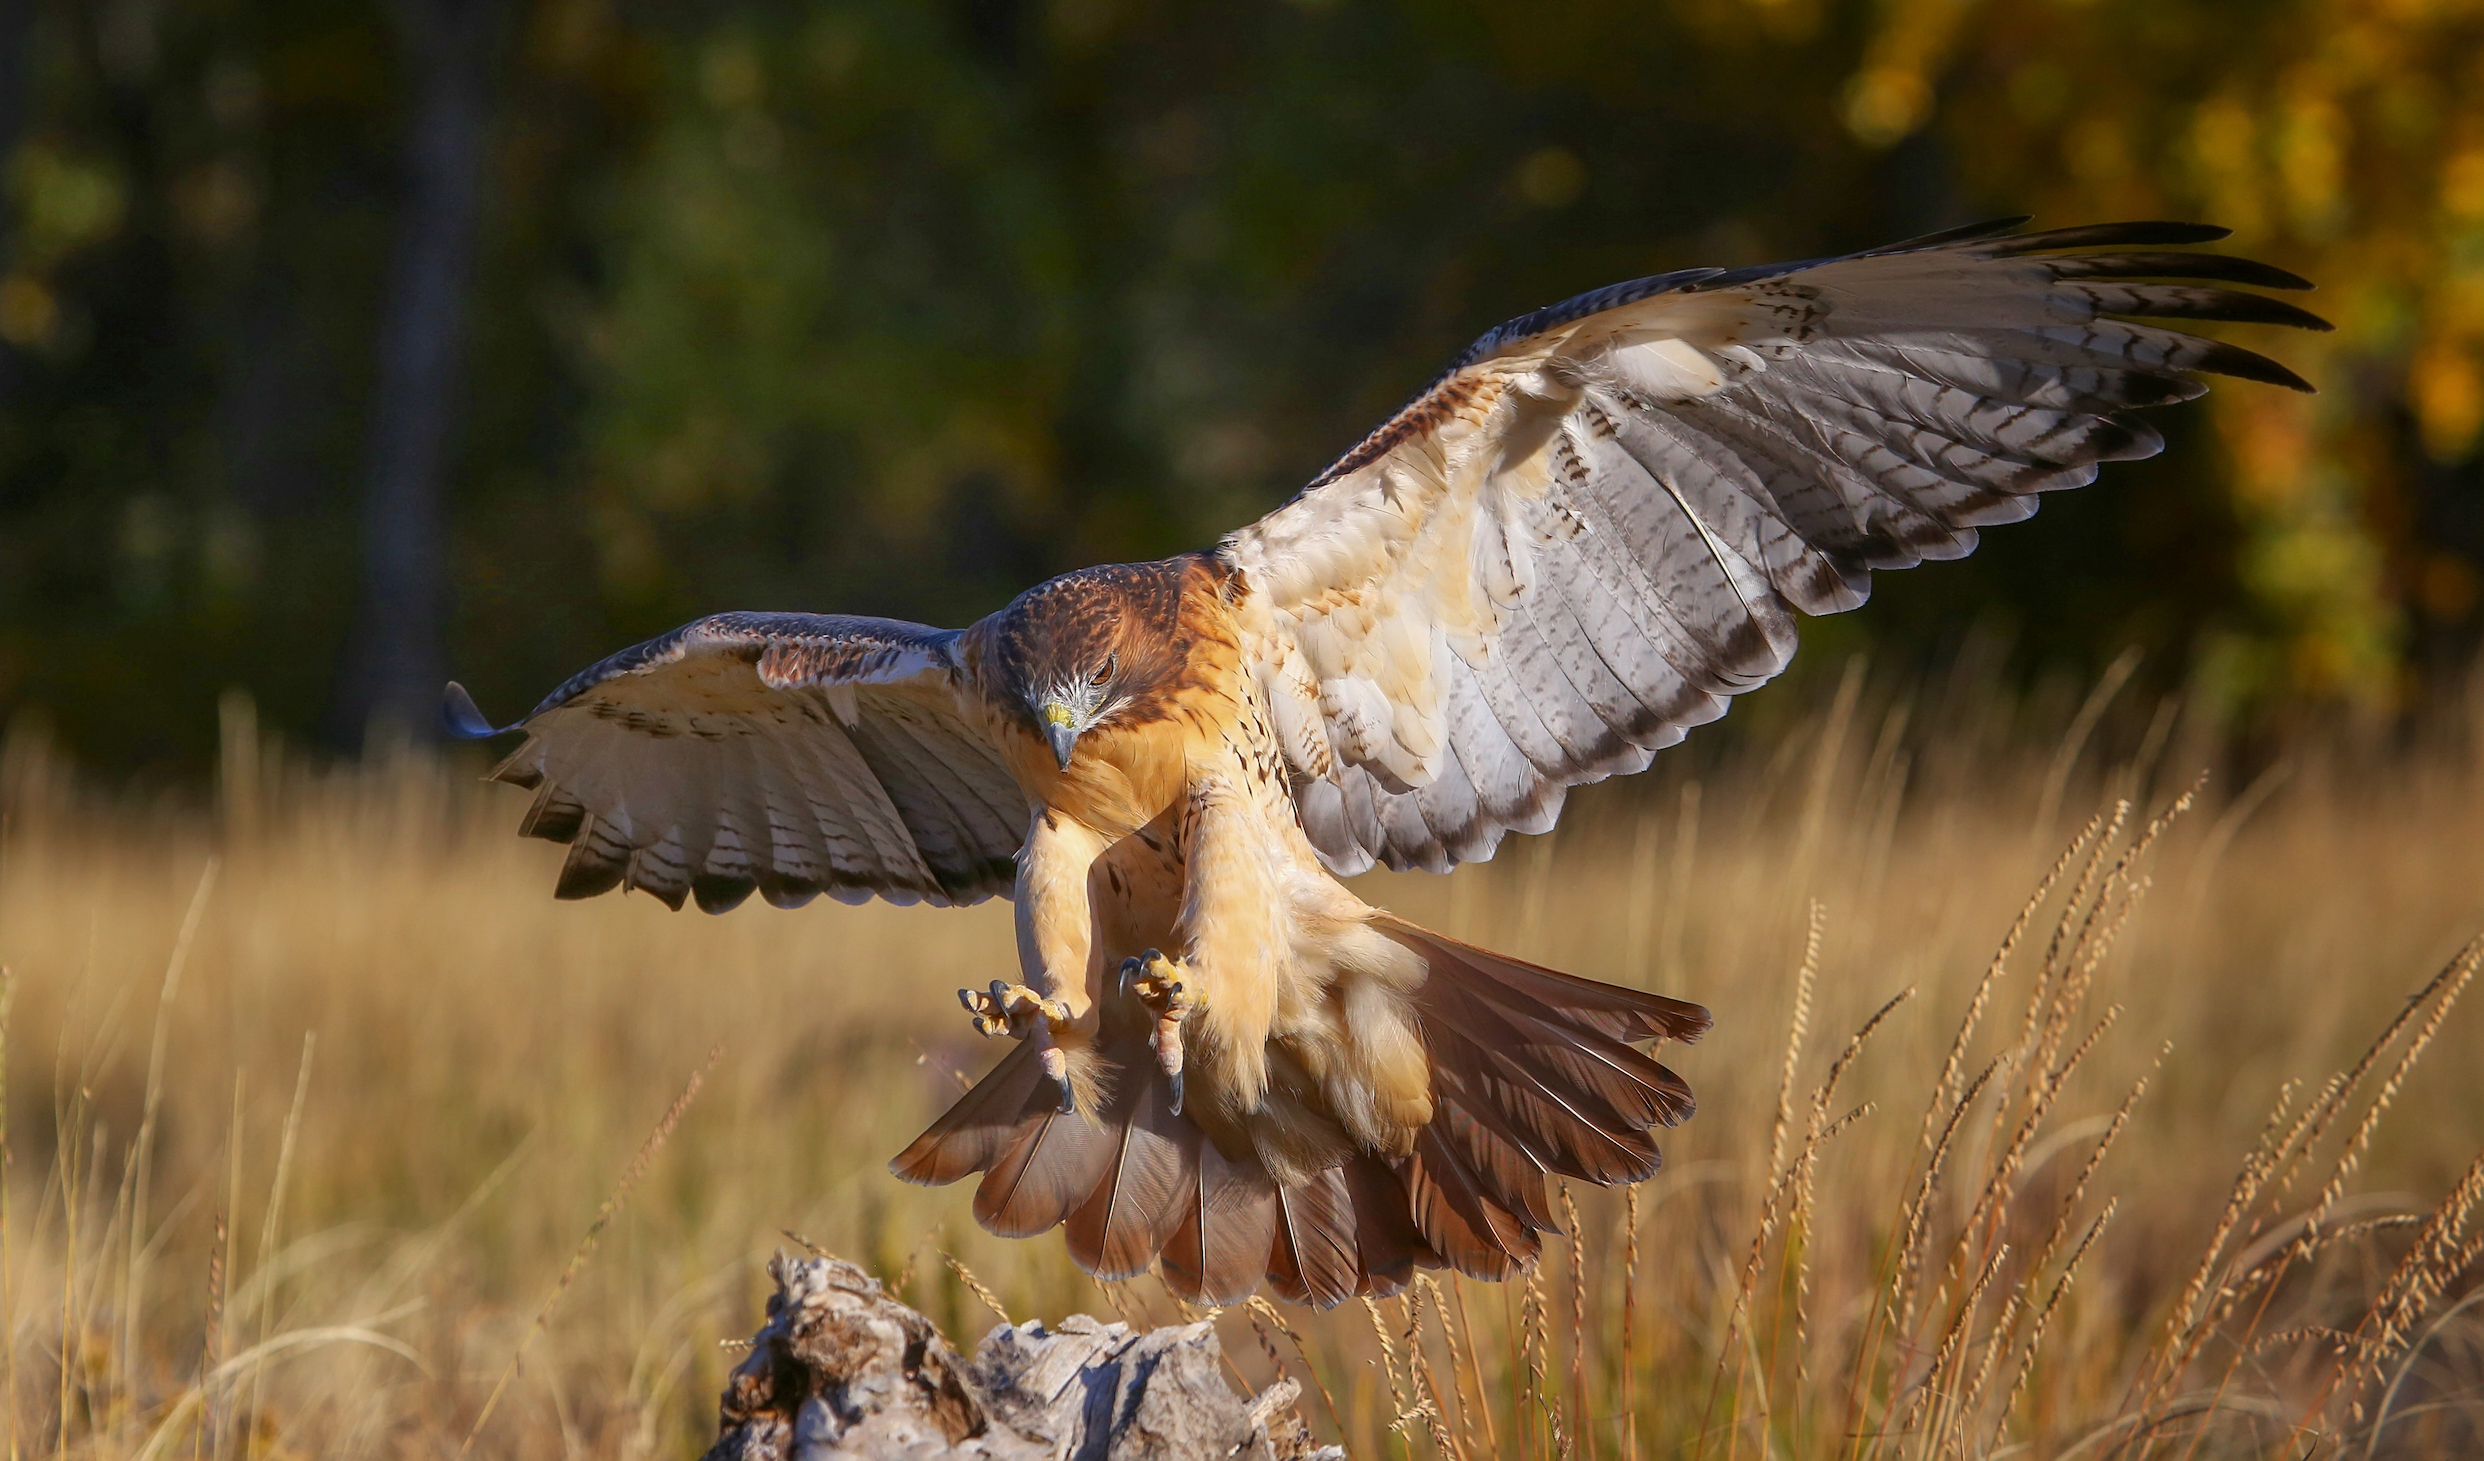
x=842, y=1371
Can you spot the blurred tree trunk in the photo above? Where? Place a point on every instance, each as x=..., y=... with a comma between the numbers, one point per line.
x=393, y=659
x=16, y=79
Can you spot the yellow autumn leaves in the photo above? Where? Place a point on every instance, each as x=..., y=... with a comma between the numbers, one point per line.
x=2341, y=138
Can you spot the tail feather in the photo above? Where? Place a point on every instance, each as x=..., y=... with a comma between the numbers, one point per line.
x=1464, y=1223
x=1547, y=1052
x=1132, y=1213
x=1485, y=1145
x=971, y=1135
x=1609, y=1009
x=1638, y=1092
x=1315, y=1258
x=1219, y=1250
x=1564, y=1130
x=1388, y=1245
x=1534, y=1073
x=1045, y=1176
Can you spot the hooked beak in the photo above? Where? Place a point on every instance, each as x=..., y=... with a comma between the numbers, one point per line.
x=1061, y=729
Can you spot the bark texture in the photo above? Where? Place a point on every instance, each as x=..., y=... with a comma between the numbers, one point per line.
x=841, y=1371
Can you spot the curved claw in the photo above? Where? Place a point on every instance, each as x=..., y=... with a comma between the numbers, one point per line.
x=1056, y=1069
x=1015, y=1010
x=988, y=1014
x=1026, y=1014
x=1156, y=982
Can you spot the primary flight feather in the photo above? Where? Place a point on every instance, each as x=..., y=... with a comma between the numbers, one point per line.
x=1595, y=527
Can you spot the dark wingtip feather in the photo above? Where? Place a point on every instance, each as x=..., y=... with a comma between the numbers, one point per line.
x=2134, y=390
x=462, y=718
x=1963, y=233
x=2169, y=302
x=519, y=771
x=2159, y=265
x=2233, y=360
x=719, y=894
x=553, y=817
x=586, y=874
x=2114, y=439
x=2107, y=235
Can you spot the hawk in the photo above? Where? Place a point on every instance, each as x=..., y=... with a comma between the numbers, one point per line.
x=1580, y=541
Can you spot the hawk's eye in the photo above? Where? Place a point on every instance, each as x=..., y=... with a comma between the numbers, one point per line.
x=1103, y=672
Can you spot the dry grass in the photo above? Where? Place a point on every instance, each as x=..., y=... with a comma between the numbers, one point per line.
x=312, y=1099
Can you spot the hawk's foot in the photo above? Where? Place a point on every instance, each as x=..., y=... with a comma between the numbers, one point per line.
x=1024, y=1014
x=1156, y=982
x=1012, y=1009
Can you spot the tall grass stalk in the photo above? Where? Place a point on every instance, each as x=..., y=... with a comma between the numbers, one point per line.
x=613, y=1203
x=2127, y=1176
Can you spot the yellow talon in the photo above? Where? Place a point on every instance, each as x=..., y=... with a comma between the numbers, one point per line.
x=1155, y=982
x=1024, y=1014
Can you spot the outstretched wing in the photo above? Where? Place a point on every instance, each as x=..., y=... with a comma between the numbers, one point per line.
x=1599, y=523
x=791, y=754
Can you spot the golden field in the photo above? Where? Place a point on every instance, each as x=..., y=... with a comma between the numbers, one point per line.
x=315, y=1096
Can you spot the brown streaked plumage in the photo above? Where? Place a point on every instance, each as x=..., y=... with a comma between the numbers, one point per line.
x=1583, y=539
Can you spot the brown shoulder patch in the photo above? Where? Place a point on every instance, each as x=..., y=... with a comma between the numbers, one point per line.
x=1447, y=396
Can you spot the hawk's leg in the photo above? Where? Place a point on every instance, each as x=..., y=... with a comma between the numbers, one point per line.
x=1233, y=935
x=1156, y=982
x=1021, y=1013
x=1056, y=941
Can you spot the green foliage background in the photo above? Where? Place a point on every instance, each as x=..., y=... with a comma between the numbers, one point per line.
x=894, y=307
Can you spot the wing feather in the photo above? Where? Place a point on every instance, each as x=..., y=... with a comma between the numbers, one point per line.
x=784, y=754
x=1601, y=523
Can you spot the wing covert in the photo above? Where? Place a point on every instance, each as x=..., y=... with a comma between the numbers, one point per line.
x=787, y=754
x=1600, y=523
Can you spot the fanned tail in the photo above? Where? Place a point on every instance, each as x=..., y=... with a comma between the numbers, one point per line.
x=1535, y=1073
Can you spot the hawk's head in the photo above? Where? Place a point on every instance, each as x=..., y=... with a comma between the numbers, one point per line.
x=1091, y=647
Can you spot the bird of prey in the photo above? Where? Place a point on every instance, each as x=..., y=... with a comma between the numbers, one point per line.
x=1597, y=526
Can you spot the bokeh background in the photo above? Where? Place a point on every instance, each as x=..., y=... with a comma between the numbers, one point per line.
x=348, y=345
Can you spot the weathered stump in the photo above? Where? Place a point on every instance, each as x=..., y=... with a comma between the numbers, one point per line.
x=840, y=1370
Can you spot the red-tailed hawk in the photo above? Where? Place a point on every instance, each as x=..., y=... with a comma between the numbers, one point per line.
x=1575, y=545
